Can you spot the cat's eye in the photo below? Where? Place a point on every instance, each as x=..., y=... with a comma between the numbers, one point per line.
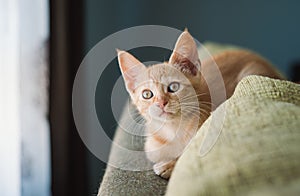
x=147, y=94
x=173, y=87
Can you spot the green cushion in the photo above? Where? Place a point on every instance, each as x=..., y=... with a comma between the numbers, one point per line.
x=257, y=151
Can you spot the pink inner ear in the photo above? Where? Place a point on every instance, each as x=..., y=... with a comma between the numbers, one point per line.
x=130, y=77
x=185, y=55
x=184, y=64
x=131, y=68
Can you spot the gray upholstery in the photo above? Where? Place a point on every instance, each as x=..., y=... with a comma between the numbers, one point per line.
x=125, y=182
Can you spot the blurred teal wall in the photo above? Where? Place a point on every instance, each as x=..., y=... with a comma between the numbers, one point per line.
x=271, y=28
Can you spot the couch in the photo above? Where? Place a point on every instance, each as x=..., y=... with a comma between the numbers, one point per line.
x=255, y=150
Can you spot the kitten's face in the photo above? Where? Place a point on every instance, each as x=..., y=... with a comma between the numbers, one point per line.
x=164, y=91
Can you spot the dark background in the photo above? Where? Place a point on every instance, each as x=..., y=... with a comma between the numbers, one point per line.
x=271, y=28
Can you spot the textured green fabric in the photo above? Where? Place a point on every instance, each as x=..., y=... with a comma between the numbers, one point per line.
x=257, y=151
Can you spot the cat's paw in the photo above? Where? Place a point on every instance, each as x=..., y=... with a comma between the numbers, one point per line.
x=164, y=169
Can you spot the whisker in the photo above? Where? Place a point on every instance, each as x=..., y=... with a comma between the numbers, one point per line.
x=188, y=115
x=190, y=108
x=197, y=110
x=194, y=95
x=194, y=108
x=206, y=105
x=132, y=123
x=132, y=127
x=200, y=102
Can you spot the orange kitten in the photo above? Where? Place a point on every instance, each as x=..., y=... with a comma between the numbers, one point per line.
x=174, y=98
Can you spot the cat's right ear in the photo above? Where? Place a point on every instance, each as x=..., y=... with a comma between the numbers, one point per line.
x=185, y=54
x=130, y=68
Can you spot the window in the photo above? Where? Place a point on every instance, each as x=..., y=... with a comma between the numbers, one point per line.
x=24, y=128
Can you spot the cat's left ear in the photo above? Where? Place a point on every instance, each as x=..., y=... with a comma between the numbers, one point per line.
x=185, y=54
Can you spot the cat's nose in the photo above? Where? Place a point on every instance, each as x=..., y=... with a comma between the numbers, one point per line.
x=162, y=103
